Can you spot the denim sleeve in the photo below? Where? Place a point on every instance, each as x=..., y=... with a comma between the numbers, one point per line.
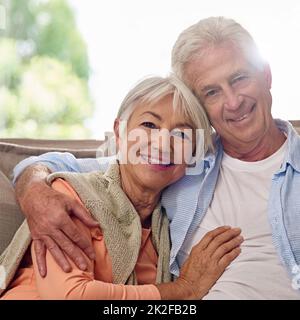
x=61, y=161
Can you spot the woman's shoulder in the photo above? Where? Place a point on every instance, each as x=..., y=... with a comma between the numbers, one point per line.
x=61, y=185
x=65, y=187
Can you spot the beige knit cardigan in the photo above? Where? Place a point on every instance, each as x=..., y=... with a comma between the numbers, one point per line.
x=103, y=196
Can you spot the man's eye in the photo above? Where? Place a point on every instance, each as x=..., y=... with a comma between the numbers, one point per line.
x=149, y=125
x=239, y=78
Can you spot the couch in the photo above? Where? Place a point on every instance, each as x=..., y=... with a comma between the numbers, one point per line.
x=13, y=151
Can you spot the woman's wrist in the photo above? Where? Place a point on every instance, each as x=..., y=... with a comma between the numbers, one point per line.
x=180, y=289
x=191, y=291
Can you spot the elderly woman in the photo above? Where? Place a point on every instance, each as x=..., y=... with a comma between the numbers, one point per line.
x=132, y=243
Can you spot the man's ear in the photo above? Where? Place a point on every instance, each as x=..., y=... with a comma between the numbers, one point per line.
x=268, y=75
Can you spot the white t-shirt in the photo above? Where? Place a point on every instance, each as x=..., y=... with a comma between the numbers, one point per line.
x=241, y=200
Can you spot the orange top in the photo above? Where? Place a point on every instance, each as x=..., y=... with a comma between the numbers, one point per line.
x=95, y=282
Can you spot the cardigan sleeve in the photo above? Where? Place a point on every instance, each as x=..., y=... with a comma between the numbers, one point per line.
x=79, y=284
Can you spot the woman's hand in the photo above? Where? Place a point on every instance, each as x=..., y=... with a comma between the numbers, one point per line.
x=205, y=264
x=209, y=259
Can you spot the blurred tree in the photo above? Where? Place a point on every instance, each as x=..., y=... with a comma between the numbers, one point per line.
x=43, y=72
x=10, y=63
x=47, y=27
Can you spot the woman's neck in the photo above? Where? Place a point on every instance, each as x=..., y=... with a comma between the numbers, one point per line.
x=144, y=200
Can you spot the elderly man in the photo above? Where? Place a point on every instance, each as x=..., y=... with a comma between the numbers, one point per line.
x=251, y=181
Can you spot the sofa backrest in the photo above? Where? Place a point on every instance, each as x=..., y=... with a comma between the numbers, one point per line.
x=12, y=151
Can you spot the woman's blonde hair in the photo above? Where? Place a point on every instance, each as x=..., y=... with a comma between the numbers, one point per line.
x=153, y=89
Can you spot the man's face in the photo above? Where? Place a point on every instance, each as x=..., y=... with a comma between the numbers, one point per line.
x=235, y=95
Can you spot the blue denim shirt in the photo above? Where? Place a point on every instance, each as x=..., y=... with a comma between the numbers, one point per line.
x=187, y=200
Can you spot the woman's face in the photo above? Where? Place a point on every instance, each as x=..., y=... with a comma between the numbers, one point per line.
x=155, y=144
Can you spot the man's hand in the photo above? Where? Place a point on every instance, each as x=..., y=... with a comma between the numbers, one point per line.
x=48, y=216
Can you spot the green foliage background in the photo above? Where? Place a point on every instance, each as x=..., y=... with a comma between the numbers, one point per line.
x=44, y=72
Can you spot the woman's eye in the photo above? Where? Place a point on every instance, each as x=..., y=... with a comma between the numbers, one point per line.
x=149, y=125
x=211, y=93
x=181, y=134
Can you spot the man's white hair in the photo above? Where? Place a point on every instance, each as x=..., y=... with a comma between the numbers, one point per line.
x=209, y=33
x=153, y=89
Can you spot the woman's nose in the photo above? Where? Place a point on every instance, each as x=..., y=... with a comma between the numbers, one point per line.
x=161, y=139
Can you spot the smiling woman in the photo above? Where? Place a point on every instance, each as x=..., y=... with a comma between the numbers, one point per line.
x=159, y=111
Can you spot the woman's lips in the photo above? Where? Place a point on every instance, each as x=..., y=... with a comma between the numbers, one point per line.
x=160, y=167
x=157, y=164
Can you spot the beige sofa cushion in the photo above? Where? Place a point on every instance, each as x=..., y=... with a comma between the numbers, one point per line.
x=10, y=215
x=12, y=151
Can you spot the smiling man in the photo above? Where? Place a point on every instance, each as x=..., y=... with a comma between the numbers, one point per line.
x=256, y=160
x=251, y=181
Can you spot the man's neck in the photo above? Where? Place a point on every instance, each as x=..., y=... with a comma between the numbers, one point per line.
x=257, y=151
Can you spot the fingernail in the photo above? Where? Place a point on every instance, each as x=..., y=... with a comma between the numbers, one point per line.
x=237, y=229
x=67, y=269
x=82, y=266
x=42, y=273
x=240, y=238
x=92, y=255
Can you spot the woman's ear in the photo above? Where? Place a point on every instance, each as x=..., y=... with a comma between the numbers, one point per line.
x=117, y=132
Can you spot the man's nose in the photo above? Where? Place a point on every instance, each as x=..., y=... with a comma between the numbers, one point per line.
x=232, y=100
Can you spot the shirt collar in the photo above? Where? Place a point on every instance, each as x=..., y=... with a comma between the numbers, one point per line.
x=210, y=157
x=292, y=157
